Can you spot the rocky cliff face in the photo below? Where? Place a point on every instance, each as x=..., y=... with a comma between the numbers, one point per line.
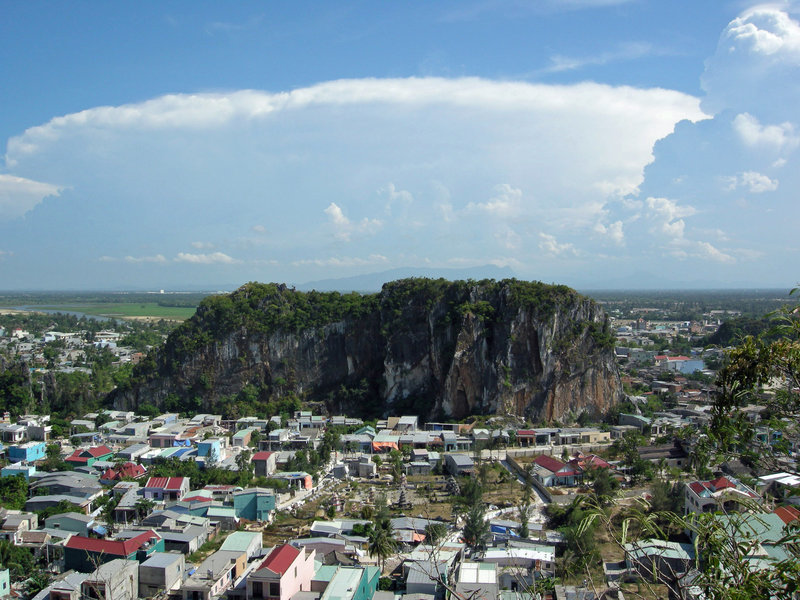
x=430, y=347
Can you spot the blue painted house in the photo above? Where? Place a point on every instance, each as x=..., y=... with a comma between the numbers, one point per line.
x=210, y=448
x=254, y=504
x=18, y=469
x=27, y=452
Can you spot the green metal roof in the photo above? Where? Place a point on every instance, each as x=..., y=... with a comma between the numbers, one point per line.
x=344, y=584
x=325, y=572
x=239, y=541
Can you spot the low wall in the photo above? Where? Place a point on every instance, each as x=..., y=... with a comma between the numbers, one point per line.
x=543, y=491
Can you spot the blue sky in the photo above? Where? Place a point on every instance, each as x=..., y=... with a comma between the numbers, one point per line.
x=598, y=143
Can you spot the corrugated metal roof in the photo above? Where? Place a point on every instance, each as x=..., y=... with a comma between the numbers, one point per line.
x=115, y=547
x=165, y=483
x=280, y=559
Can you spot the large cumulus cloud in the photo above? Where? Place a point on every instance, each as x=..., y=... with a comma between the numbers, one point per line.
x=448, y=171
x=718, y=205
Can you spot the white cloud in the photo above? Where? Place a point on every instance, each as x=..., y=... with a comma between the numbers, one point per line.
x=548, y=244
x=685, y=249
x=403, y=198
x=369, y=226
x=203, y=245
x=341, y=224
x=5, y=253
x=336, y=215
x=613, y=232
x=709, y=252
x=757, y=183
x=669, y=209
x=344, y=228
x=752, y=181
x=443, y=204
x=344, y=261
x=508, y=238
x=19, y=195
x=674, y=229
x=506, y=203
x=345, y=149
x=217, y=258
x=212, y=111
x=158, y=258
x=752, y=83
x=625, y=52
x=667, y=217
x=764, y=30
x=777, y=137
x=501, y=262
x=754, y=67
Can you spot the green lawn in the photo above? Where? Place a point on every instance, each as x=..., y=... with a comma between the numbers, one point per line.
x=128, y=309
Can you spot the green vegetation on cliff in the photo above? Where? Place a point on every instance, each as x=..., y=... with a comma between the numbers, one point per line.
x=265, y=308
x=266, y=347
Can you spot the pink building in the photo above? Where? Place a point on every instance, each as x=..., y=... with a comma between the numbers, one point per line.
x=285, y=571
x=166, y=488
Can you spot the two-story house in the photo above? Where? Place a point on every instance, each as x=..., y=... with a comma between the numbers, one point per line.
x=723, y=494
x=284, y=572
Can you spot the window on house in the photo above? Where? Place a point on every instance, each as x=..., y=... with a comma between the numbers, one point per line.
x=258, y=589
x=274, y=589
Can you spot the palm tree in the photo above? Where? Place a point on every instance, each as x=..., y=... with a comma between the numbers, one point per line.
x=381, y=541
x=143, y=507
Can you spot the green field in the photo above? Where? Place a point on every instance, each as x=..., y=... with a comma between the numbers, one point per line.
x=128, y=309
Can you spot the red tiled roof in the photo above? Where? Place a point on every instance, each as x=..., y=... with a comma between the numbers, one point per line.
x=569, y=473
x=128, y=469
x=697, y=487
x=721, y=483
x=591, y=461
x=97, y=451
x=596, y=461
x=84, y=454
x=115, y=547
x=165, y=483
x=76, y=457
x=787, y=513
x=280, y=559
x=198, y=498
x=549, y=463
x=264, y=455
